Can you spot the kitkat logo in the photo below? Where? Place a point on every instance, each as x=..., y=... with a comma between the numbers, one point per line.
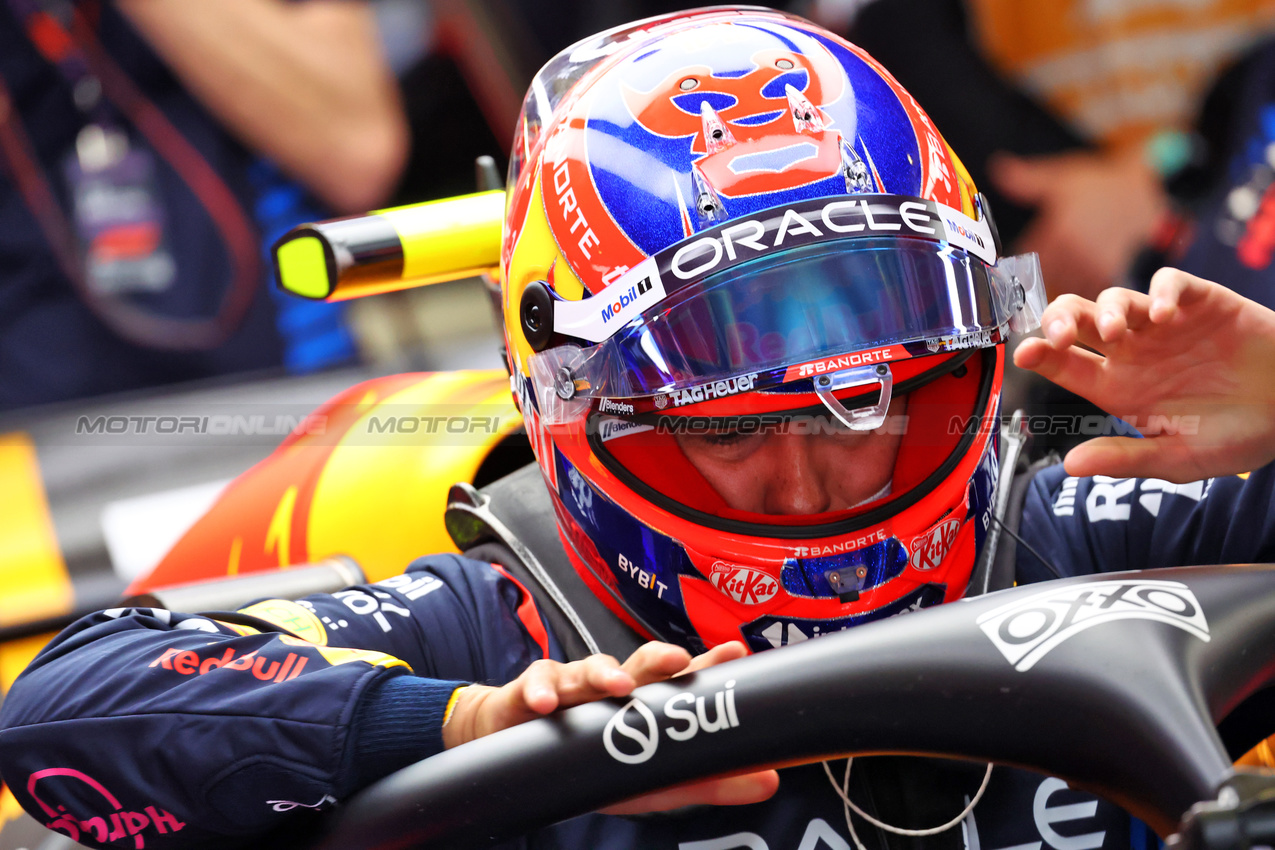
x=189, y=663
x=749, y=586
x=929, y=549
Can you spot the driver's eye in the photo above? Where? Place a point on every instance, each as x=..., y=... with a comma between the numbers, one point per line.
x=729, y=443
x=729, y=437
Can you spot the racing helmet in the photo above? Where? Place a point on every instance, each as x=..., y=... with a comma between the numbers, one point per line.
x=727, y=227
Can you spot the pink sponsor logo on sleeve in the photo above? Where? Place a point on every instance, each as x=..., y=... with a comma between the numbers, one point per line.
x=110, y=827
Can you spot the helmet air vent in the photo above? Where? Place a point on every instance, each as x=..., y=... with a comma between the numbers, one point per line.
x=855, y=170
x=717, y=136
x=707, y=203
x=806, y=117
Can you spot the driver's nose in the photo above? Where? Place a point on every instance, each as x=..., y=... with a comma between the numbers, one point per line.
x=797, y=483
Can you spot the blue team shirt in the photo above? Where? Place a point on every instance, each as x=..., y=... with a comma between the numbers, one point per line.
x=248, y=727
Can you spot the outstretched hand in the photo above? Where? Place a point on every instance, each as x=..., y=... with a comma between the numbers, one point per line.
x=548, y=685
x=1191, y=364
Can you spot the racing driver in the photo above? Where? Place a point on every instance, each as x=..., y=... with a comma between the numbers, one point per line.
x=755, y=314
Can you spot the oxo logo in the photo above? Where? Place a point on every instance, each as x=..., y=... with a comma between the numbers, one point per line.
x=113, y=825
x=749, y=586
x=1027, y=629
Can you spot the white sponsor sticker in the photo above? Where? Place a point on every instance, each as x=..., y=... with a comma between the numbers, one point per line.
x=1026, y=630
x=597, y=318
x=968, y=234
x=609, y=429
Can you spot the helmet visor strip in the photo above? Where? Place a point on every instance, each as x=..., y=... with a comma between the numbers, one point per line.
x=810, y=311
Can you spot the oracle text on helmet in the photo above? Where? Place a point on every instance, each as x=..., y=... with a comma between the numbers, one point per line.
x=836, y=218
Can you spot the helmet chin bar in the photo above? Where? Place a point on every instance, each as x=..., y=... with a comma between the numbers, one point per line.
x=867, y=418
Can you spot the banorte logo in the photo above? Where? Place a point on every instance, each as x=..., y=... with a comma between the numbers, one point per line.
x=110, y=827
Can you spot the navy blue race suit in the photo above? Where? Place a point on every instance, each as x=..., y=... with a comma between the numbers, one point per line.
x=145, y=728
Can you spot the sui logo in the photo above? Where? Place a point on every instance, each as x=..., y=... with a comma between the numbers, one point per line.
x=1025, y=631
x=686, y=714
x=647, y=738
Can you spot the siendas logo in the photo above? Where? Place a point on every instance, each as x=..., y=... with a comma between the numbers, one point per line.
x=929, y=549
x=743, y=584
x=607, y=405
x=636, y=742
x=1026, y=631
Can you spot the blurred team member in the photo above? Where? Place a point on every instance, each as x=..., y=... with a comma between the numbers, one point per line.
x=1074, y=111
x=140, y=148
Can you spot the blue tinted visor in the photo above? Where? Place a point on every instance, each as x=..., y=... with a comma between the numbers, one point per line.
x=801, y=306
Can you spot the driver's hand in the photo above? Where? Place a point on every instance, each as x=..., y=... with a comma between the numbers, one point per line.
x=549, y=685
x=1191, y=351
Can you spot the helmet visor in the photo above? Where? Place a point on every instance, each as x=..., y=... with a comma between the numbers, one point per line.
x=801, y=313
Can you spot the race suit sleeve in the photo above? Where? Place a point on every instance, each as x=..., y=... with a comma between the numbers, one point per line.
x=144, y=727
x=1101, y=524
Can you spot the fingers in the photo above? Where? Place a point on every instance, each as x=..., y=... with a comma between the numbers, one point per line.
x=727, y=791
x=1070, y=319
x=655, y=662
x=717, y=655
x=1129, y=457
x=1119, y=310
x=1172, y=288
x=1072, y=368
x=547, y=685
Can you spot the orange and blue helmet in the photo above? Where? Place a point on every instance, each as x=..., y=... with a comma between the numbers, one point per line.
x=732, y=224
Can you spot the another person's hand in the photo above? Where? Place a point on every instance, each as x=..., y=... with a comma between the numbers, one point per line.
x=548, y=685
x=1191, y=352
x=1094, y=212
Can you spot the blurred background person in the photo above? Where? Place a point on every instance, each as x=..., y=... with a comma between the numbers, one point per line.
x=1112, y=137
x=148, y=153
x=1074, y=112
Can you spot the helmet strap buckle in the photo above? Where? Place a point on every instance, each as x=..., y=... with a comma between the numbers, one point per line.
x=867, y=418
